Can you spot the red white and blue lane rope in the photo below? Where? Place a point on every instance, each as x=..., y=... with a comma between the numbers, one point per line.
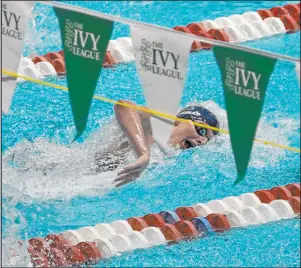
x=92, y=243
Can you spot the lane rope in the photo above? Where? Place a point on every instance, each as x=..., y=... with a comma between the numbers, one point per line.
x=150, y=111
x=130, y=22
x=95, y=243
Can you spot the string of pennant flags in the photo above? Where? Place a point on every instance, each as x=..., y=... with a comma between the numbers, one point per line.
x=236, y=28
x=161, y=56
x=216, y=42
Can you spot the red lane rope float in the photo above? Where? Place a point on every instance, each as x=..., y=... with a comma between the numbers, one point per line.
x=297, y=18
x=265, y=196
x=137, y=223
x=38, y=59
x=279, y=11
x=57, y=60
x=292, y=9
x=186, y=228
x=155, y=220
x=196, y=46
x=219, y=34
x=294, y=188
x=61, y=254
x=265, y=13
x=59, y=65
x=281, y=192
x=90, y=251
x=56, y=241
x=199, y=30
x=186, y=213
x=73, y=255
x=39, y=245
x=39, y=260
x=62, y=52
x=195, y=28
x=57, y=258
x=30, y=249
x=295, y=203
x=207, y=35
x=171, y=233
x=218, y=222
x=290, y=23
x=53, y=56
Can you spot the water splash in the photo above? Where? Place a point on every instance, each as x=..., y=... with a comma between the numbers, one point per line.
x=14, y=251
x=46, y=170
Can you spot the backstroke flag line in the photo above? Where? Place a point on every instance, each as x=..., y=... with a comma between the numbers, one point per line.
x=161, y=60
x=245, y=78
x=15, y=16
x=85, y=39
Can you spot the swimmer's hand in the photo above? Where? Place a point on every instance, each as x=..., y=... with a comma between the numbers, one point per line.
x=132, y=171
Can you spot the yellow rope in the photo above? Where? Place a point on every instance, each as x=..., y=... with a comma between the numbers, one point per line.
x=150, y=111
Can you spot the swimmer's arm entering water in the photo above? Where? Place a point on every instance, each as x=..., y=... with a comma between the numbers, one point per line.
x=136, y=125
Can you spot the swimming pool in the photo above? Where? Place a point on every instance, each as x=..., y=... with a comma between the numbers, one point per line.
x=42, y=115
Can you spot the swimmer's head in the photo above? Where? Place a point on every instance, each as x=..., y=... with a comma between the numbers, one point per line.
x=199, y=114
x=187, y=135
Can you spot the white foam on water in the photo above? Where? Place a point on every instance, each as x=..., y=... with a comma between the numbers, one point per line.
x=47, y=170
x=14, y=254
x=35, y=36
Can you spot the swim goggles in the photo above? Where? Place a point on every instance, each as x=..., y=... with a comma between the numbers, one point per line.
x=203, y=132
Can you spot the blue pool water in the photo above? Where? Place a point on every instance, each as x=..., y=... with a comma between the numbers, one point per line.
x=40, y=126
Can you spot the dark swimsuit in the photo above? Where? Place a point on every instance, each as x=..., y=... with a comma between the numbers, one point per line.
x=108, y=162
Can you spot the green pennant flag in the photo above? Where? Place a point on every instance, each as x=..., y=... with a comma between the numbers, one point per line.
x=245, y=78
x=85, y=39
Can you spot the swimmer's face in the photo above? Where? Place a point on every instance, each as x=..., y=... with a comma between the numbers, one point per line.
x=186, y=135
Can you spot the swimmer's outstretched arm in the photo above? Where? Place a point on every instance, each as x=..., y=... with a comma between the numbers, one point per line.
x=136, y=125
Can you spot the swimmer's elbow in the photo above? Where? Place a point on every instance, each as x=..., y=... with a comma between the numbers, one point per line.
x=118, y=107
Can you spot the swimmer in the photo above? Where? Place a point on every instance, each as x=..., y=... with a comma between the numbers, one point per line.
x=136, y=126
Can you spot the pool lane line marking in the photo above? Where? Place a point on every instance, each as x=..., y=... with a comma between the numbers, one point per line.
x=150, y=111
